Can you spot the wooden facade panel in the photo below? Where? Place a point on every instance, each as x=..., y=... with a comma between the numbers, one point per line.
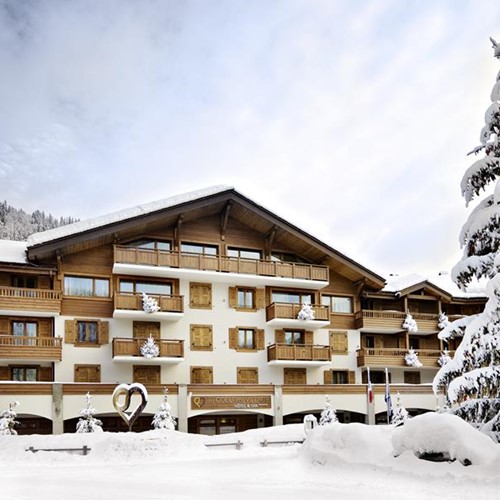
x=96, y=261
x=100, y=308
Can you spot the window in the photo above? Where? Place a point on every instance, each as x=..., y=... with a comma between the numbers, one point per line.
x=147, y=374
x=246, y=298
x=338, y=342
x=293, y=337
x=292, y=297
x=370, y=342
x=88, y=333
x=151, y=244
x=244, y=253
x=246, y=338
x=338, y=304
x=200, y=295
x=414, y=343
x=339, y=377
x=86, y=287
x=199, y=248
x=24, y=373
x=151, y=288
x=376, y=377
x=24, y=281
x=412, y=377
x=295, y=376
x=247, y=375
x=201, y=337
x=201, y=375
x=87, y=373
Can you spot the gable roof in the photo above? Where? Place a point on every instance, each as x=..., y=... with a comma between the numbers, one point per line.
x=123, y=224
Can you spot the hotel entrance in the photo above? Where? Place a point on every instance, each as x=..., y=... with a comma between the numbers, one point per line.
x=214, y=424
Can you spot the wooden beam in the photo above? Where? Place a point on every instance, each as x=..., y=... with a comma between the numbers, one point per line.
x=269, y=239
x=224, y=217
x=177, y=233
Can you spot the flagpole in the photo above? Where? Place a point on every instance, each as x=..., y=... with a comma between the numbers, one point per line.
x=387, y=398
x=370, y=404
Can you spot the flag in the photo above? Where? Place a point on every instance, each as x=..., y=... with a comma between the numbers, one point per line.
x=370, y=388
x=387, y=398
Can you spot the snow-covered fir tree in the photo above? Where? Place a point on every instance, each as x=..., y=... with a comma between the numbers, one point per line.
x=443, y=321
x=163, y=418
x=87, y=422
x=399, y=412
x=410, y=324
x=411, y=358
x=8, y=420
x=472, y=378
x=444, y=357
x=149, y=304
x=328, y=415
x=306, y=312
x=150, y=348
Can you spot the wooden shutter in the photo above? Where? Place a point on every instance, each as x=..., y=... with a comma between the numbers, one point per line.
x=233, y=338
x=103, y=336
x=70, y=331
x=45, y=374
x=338, y=342
x=327, y=377
x=309, y=338
x=279, y=336
x=260, y=340
x=202, y=375
x=200, y=295
x=45, y=328
x=378, y=342
x=260, y=298
x=295, y=376
x=4, y=326
x=143, y=329
x=247, y=376
x=147, y=374
x=201, y=337
x=87, y=373
x=351, y=377
x=233, y=297
x=4, y=373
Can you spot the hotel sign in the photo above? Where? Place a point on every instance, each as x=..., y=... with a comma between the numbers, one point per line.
x=230, y=402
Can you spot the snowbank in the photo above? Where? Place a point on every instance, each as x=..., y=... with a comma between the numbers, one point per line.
x=445, y=434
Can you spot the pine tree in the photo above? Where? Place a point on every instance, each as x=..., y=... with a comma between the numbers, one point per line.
x=87, y=422
x=150, y=349
x=411, y=358
x=163, y=417
x=471, y=379
x=410, y=324
x=328, y=415
x=8, y=420
x=149, y=304
x=400, y=413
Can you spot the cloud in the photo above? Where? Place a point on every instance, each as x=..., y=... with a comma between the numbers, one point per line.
x=350, y=119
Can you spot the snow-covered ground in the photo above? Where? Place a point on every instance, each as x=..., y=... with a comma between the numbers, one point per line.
x=342, y=461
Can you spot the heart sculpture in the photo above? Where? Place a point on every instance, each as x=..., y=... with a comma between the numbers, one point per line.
x=127, y=391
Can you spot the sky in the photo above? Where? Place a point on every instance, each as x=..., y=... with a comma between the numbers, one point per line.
x=352, y=119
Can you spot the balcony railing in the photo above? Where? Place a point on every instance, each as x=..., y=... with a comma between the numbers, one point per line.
x=132, y=347
x=30, y=299
x=25, y=347
x=298, y=352
x=396, y=357
x=133, y=302
x=219, y=263
x=393, y=320
x=281, y=310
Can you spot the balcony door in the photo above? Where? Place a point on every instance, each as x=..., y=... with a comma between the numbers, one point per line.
x=24, y=329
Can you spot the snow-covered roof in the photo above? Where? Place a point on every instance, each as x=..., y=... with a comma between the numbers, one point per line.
x=122, y=215
x=442, y=280
x=13, y=252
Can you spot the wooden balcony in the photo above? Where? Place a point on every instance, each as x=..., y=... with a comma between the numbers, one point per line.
x=39, y=302
x=30, y=348
x=285, y=315
x=176, y=264
x=392, y=321
x=129, y=305
x=126, y=350
x=396, y=357
x=298, y=355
